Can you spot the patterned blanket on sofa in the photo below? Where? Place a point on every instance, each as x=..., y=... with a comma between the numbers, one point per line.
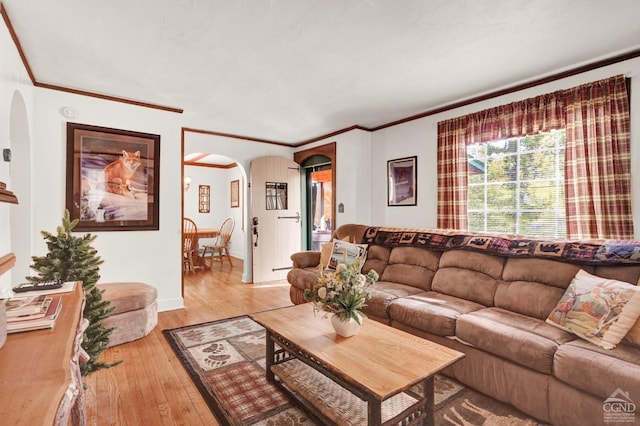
x=602, y=252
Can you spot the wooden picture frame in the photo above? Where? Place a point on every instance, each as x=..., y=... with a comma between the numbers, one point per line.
x=204, y=198
x=113, y=178
x=402, y=184
x=235, y=193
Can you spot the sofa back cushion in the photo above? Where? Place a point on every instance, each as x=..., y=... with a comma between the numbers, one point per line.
x=468, y=275
x=412, y=266
x=351, y=232
x=627, y=273
x=377, y=259
x=532, y=286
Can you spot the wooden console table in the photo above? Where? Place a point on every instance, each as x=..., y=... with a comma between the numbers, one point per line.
x=40, y=382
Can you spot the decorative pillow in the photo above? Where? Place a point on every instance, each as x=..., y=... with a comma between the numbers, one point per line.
x=344, y=252
x=325, y=253
x=633, y=336
x=597, y=309
x=326, y=249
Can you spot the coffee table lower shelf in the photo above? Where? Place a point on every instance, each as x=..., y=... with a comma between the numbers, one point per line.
x=333, y=404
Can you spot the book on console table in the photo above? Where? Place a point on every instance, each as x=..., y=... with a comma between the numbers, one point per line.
x=25, y=305
x=41, y=313
x=37, y=321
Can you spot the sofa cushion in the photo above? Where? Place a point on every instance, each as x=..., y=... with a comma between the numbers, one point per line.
x=383, y=293
x=350, y=232
x=633, y=336
x=599, y=371
x=377, y=259
x=433, y=312
x=411, y=266
x=597, y=309
x=520, y=339
x=627, y=273
x=532, y=286
x=468, y=275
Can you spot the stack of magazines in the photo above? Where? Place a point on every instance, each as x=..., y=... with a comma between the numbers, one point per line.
x=32, y=312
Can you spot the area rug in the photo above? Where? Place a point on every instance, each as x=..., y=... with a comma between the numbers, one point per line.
x=226, y=361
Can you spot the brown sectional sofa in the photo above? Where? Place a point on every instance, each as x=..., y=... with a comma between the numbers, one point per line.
x=493, y=308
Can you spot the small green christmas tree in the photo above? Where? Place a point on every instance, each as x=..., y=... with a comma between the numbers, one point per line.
x=72, y=258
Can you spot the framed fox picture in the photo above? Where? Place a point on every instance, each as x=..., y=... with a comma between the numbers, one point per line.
x=112, y=178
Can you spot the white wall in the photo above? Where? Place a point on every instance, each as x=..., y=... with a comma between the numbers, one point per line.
x=219, y=181
x=153, y=257
x=419, y=137
x=406, y=140
x=16, y=103
x=353, y=175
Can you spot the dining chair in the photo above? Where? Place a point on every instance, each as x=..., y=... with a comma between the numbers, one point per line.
x=219, y=250
x=189, y=244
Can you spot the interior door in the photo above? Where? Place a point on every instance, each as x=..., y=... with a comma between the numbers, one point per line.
x=276, y=223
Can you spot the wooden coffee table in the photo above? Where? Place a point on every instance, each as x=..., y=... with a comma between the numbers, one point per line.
x=364, y=379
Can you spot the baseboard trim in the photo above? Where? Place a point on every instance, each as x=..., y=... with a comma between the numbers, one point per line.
x=170, y=304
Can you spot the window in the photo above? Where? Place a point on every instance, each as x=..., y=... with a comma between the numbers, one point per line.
x=276, y=193
x=517, y=185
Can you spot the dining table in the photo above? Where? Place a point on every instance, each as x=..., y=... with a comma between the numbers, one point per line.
x=208, y=232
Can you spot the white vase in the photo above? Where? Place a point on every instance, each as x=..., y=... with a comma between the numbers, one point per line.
x=346, y=328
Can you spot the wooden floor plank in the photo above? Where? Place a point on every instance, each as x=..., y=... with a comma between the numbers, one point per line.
x=152, y=386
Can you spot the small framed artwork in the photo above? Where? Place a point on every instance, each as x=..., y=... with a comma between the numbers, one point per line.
x=204, y=199
x=235, y=193
x=112, y=178
x=402, y=183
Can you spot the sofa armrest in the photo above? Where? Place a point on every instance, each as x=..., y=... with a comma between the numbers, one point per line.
x=306, y=259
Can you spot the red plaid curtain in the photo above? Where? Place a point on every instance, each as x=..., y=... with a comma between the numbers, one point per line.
x=541, y=114
x=598, y=161
x=452, y=173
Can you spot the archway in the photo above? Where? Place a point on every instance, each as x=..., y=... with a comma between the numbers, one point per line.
x=20, y=145
x=208, y=183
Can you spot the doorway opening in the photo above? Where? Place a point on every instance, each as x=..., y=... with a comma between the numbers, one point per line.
x=318, y=165
x=213, y=191
x=319, y=190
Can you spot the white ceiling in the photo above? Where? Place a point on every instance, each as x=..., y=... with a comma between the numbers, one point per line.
x=293, y=70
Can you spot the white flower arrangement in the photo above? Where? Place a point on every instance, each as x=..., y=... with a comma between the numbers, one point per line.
x=343, y=292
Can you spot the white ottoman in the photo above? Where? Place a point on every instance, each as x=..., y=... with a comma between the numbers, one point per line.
x=135, y=313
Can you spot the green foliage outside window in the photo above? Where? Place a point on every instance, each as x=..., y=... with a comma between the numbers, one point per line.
x=517, y=185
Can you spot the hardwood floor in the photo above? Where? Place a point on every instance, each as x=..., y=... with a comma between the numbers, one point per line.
x=151, y=387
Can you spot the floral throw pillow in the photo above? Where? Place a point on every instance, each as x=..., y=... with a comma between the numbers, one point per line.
x=633, y=336
x=347, y=253
x=597, y=309
x=325, y=253
x=326, y=249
